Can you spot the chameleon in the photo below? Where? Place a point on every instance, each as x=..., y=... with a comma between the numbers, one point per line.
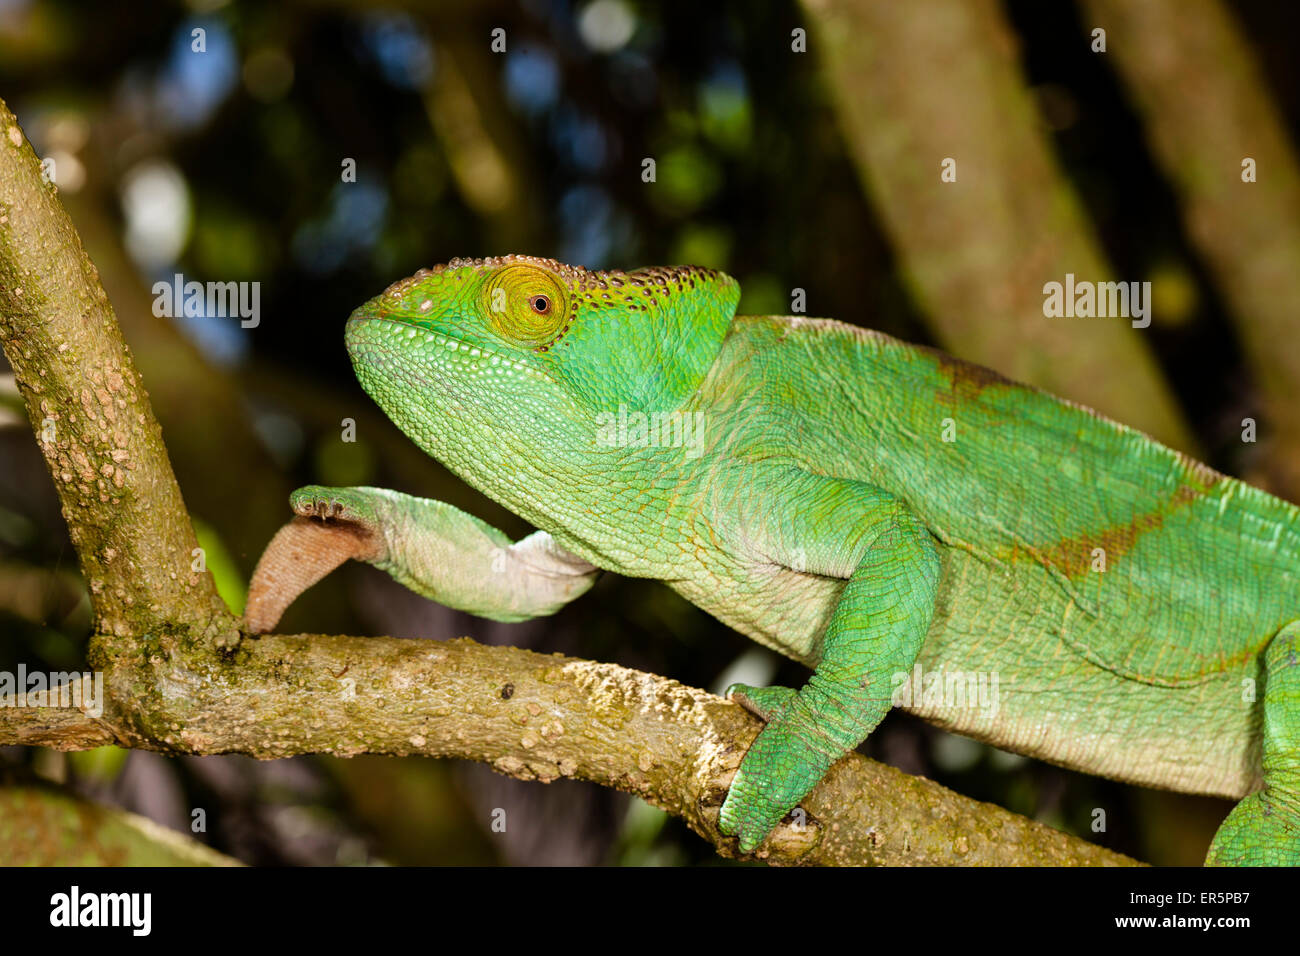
x=862, y=505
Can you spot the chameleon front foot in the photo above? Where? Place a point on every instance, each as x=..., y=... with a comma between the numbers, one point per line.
x=786, y=760
x=353, y=505
x=308, y=548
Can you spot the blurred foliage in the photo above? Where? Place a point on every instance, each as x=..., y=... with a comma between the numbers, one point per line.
x=227, y=165
x=230, y=582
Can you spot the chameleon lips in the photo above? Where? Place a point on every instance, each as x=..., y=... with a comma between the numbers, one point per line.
x=386, y=351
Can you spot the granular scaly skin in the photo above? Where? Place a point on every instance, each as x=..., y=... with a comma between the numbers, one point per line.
x=876, y=510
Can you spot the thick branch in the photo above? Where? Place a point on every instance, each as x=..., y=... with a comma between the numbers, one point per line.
x=540, y=717
x=90, y=411
x=64, y=718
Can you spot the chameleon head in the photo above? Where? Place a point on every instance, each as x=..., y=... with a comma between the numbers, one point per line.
x=518, y=350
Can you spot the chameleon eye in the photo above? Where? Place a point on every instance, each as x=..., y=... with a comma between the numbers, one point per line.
x=525, y=305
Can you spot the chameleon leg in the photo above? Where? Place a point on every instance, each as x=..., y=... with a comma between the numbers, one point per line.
x=1264, y=828
x=847, y=530
x=429, y=546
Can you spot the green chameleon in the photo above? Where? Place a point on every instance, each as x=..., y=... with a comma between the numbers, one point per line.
x=856, y=503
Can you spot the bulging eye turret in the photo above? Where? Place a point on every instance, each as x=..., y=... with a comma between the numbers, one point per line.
x=525, y=305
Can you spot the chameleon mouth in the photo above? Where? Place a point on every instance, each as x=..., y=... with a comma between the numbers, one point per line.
x=395, y=344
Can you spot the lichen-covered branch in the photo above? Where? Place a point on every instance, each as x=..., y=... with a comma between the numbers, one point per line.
x=921, y=84
x=542, y=717
x=90, y=413
x=56, y=720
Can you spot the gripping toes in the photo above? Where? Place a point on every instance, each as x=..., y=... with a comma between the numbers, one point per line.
x=339, y=504
x=304, y=551
x=784, y=763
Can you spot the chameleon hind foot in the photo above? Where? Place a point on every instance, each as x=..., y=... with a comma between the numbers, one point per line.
x=1264, y=828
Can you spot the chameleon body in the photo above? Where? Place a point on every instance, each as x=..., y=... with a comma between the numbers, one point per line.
x=854, y=502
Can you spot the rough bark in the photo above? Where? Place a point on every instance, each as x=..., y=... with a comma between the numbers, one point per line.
x=535, y=717
x=91, y=415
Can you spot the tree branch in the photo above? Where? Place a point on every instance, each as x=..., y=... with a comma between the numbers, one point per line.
x=536, y=717
x=90, y=412
x=177, y=679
